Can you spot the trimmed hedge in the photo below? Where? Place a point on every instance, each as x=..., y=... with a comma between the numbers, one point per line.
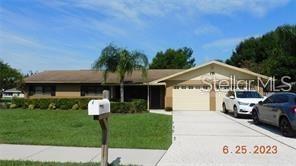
x=135, y=106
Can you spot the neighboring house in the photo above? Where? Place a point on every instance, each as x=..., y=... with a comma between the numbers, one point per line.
x=10, y=93
x=180, y=89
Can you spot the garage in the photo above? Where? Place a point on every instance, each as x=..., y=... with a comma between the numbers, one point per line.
x=190, y=89
x=191, y=98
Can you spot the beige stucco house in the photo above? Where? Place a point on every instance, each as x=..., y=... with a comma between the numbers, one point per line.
x=199, y=88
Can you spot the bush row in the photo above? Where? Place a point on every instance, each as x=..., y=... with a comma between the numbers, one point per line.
x=138, y=105
x=135, y=106
x=51, y=103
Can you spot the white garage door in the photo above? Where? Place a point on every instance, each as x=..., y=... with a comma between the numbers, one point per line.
x=219, y=99
x=186, y=98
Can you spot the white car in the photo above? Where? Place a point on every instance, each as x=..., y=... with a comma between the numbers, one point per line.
x=240, y=102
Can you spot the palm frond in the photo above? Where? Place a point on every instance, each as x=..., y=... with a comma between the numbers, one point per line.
x=107, y=61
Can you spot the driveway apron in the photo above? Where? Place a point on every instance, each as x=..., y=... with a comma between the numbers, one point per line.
x=199, y=138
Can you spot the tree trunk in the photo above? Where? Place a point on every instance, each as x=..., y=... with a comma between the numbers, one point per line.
x=121, y=92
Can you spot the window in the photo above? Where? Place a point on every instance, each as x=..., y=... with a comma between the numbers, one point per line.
x=268, y=100
x=8, y=94
x=190, y=87
x=91, y=91
x=241, y=87
x=197, y=87
x=46, y=90
x=281, y=99
x=42, y=90
x=183, y=87
x=222, y=87
x=230, y=93
x=205, y=87
x=176, y=87
x=225, y=87
x=248, y=94
x=38, y=90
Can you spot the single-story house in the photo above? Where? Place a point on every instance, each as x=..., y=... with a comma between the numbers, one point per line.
x=10, y=93
x=199, y=88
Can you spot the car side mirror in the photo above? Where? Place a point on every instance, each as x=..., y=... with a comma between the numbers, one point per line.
x=260, y=102
x=231, y=97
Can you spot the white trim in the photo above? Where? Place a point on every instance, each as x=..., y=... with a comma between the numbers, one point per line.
x=209, y=63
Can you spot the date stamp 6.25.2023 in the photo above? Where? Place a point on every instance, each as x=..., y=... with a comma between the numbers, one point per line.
x=256, y=149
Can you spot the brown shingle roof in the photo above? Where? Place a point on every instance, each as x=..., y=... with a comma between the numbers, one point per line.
x=93, y=76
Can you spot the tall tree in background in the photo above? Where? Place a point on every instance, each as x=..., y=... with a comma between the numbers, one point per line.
x=173, y=59
x=9, y=77
x=121, y=61
x=272, y=54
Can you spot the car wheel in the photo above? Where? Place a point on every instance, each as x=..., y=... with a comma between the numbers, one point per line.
x=235, y=113
x=286, y=128
x=255, y=117
x=224, y=108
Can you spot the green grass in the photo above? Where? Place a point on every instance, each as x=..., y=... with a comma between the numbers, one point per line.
x=76, y=128
x=36, y=163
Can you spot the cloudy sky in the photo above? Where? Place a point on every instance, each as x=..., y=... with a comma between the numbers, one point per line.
x=42, y=35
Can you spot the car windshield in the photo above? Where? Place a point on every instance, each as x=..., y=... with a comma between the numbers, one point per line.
x=248, y=94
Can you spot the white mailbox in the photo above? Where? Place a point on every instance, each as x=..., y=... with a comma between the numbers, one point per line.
x=98, y=107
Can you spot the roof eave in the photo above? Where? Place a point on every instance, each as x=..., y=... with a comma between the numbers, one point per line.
x=212, y=62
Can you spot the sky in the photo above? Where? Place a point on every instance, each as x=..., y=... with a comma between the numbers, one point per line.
x=38, y=35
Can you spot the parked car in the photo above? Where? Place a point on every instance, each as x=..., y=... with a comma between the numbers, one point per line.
x=279, y=110
x=240, y=102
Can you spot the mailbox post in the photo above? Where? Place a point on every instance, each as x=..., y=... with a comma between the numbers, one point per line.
x=100, y=109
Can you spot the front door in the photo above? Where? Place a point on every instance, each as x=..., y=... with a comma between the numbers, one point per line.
x=156, y=94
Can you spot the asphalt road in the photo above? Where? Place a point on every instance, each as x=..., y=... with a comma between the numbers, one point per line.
x=214, y=138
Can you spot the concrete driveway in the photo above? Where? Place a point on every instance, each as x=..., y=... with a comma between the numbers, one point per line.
x=199, y=138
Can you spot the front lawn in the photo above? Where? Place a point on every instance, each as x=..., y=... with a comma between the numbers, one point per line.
x=76, y=128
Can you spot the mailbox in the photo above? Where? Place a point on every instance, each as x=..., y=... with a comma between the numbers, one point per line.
x=98, y=107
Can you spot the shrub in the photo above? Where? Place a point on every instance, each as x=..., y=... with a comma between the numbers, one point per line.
x=29, y=102
x=75, y=107
x=127, y=107
x=4, y=105
x=65, y=103
x=51, y=103
x=19, y=102
x=52, y=106
x=83, y=103
x=31, y=107
x=135, y=106
x=120, y=107
x=139, y=105
x=13, y=106
x=5, y=100
x=168, y=109
x=115, y=107
x=43, y=103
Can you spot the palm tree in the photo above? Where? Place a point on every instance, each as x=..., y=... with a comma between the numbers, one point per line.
x=121, y=61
